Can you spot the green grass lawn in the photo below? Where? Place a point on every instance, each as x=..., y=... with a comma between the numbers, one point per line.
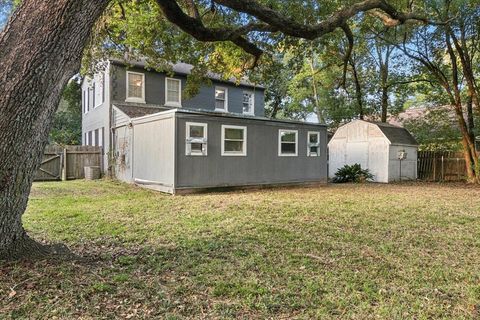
x=337, y=251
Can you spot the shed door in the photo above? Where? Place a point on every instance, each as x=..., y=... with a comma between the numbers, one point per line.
x=357, y=152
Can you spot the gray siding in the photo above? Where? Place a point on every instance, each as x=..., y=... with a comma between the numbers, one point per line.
x=261, y=165
x=204, y=100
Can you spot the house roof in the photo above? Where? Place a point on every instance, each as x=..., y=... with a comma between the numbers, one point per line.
x=396, y=135
x=186, y=69
x=138, y=110
x=135, y=110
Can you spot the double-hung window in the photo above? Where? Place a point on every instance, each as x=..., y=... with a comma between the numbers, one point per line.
x=313, y=144
x=173, y=92
x=287, y=143
x=196, y=139
x=135, y=87
x=234, y=140
x=221, y=99
x=248, y=102
x=99, y=88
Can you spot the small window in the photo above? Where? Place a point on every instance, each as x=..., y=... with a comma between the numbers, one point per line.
x=89, y=140
x=234, y=140
x=221, y=98
x=84, y=101
x=248, y=102
x=196, y=139
x=287, y=142
x=173, y=89
x=90, y=98
x=96, y=138
x=135, y=87
x=99, y=88
x=313, y=144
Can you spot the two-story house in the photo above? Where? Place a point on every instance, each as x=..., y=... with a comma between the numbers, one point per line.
x=153, y=136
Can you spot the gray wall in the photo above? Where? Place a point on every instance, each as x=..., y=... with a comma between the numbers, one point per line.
x=262, y=165
x=205, y=99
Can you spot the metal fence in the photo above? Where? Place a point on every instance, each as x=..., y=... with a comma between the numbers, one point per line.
x=68, y=162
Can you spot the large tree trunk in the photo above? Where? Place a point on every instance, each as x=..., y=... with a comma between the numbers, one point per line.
x=40, y=50
x=384, y=86
x=358, y=90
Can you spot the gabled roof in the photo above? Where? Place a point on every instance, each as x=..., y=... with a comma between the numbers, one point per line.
x=186, y=69
x=396, y=135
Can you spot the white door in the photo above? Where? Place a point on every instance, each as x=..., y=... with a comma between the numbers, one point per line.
x=357, y=152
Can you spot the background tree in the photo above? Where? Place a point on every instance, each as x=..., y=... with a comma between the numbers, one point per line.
x=67, y=123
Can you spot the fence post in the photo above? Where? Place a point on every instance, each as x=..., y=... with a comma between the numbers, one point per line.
x=434, y=168
x=442, y=174
x=64, y=164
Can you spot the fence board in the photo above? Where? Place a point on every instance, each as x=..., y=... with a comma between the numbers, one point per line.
x=441, y=166
x=71, y=158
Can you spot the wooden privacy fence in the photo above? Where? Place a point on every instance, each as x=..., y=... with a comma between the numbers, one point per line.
x=441, y=166
x=68, y=162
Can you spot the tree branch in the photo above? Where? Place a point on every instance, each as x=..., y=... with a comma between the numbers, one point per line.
x=310, y=32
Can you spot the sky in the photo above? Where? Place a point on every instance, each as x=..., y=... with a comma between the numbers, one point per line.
x=5, y=8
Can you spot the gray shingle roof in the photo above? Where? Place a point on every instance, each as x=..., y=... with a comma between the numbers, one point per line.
x=186, y=69
x=396, y=135
x=135, y=111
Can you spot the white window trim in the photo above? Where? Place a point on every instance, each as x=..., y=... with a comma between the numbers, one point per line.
x=173, y=103
x=317, y=133
x=253, y=102
x=280, y=154
x=135, y=99
x=187, y=136
x=226, y=99
x=230, y=153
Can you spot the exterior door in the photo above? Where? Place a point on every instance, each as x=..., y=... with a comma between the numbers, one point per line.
x=357, y=152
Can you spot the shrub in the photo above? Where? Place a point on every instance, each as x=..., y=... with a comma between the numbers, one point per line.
x=353, y=173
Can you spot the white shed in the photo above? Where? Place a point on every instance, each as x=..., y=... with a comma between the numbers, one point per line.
x=388, y=151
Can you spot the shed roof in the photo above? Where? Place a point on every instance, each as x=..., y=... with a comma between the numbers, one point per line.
x=137, y=110
x=396, y=135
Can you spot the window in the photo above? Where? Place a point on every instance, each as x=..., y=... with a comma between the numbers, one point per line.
x=99, y=89
x=196, y=139
x=313, y=144
x=221, y=98
x=96, y=138
x=247, y=102
x=234, y=141
x=89, y=140
x=135, y=87
x=173, y=89
x=287, y=142
x=90, y=98
x=84, y=101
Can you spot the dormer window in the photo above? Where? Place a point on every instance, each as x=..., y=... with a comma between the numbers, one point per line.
x=173, y=92
x=248, y=103
x=221, y=99
x=135, y=87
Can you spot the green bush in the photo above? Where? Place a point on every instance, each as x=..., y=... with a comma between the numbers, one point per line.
x=353, y=173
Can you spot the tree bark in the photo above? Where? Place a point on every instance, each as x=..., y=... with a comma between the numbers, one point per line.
x=358, y=90
x=37, y=58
